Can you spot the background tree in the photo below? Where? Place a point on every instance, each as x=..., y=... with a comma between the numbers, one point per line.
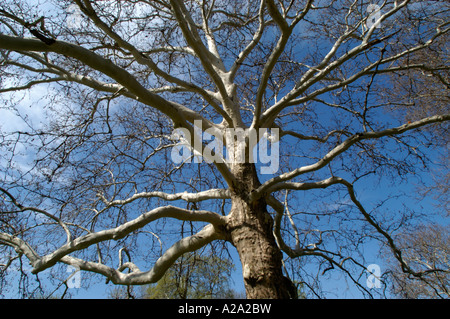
x=195, y=277
x=88, y=173
x=427, y=248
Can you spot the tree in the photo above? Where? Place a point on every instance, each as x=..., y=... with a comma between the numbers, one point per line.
x=195, y=277
x=136, y=92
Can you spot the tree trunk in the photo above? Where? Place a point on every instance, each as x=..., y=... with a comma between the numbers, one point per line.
x=250, y=229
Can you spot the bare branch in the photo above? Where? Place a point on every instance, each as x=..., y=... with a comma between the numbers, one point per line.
x=299, y=251
x=286, y=31
x=397, y=252
x=188, y=197
x=30, y=85
x=211, y=63
x=312, y=138
x=319, y=72
x=20, y=246
x=146, y=60
x=253, y=43
x=136, y=277
x=123, y=230
x=22, y=208
x=341, y=148
x=98, y=63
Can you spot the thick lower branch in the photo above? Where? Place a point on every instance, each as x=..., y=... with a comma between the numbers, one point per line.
x=136, y=277
x=125, y=229
x=185, y=245
x=96, y=62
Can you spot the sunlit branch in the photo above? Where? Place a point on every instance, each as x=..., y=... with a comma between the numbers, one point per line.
x=123, y=230
x=319, y=72
x=146, y=60
x=177, y=112
x=98, y=63
x=286, y=31
x=137, y=277
x=249, y=48
x=211, y=63
x=188, y=197
x=344, y=146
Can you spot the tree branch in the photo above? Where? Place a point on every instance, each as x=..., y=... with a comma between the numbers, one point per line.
x=22, y=208
x=96, y=62
x=136, y=277
x=397, y=252
x=188, y=197
x=146, y=60
x=20, y=246
x=341, y=148
x=211, y=63
x=300, y=251
x=123, y=230
x=249, y=48
x=319, y=72
x=286, y=31
x=178, y=113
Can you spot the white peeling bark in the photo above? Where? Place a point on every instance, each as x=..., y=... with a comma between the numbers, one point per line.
x=188, y=197
x=42, y=263
x=136, y=277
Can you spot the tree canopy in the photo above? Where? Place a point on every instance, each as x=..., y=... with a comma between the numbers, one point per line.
x=289, y=129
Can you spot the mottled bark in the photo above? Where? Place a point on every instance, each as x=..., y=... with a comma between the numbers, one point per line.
x=250, y=228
